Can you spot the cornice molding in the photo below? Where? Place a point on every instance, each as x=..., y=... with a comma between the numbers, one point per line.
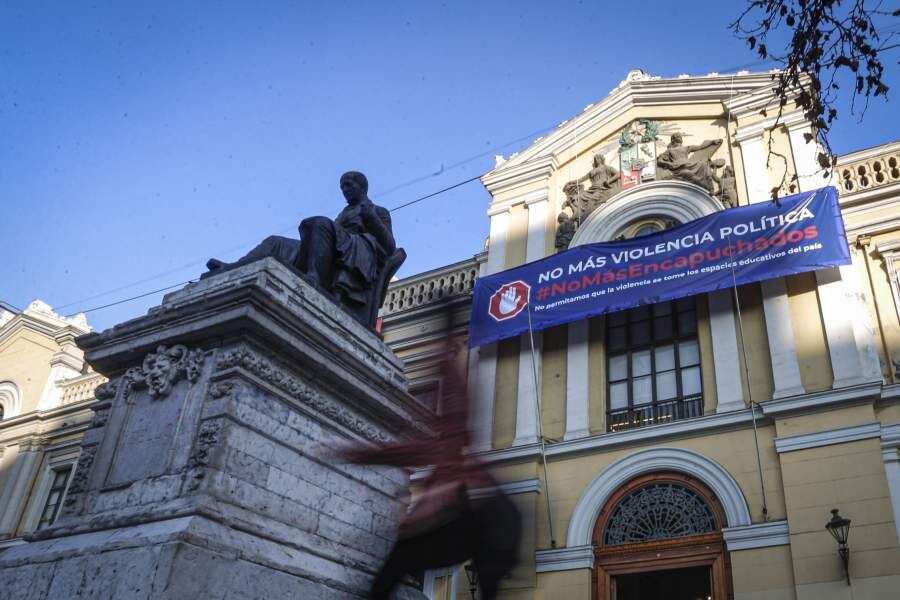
x=504, y=179
x=790, y=120
x=564, y=559
x=829, y=437
x=890, y=436
x=867, y=153
x=726, y=421
x=818, y=401
x=759, y=535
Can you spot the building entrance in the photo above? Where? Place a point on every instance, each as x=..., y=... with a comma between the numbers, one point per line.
x=676, y=584
x=660, y=536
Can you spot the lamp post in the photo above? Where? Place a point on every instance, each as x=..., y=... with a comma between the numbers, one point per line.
x=472, y=576
x=839, y=528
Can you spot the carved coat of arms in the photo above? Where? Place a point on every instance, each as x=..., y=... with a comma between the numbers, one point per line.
x=637, y=152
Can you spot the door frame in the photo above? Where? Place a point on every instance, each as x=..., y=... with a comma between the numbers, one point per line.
x=707, y=549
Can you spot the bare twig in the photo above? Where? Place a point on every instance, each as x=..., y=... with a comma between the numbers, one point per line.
x=829, y=40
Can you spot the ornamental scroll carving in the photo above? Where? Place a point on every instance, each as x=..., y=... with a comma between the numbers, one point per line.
x=159, y=371
x=267, y=371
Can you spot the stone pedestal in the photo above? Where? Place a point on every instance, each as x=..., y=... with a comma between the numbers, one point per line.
x=209, y=470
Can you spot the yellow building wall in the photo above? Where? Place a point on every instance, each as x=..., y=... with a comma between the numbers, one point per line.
x=25, y=360
x=564, y=585
x=755, y=344
x=849, y=477
x=553, y=382
x=597, y=376
x=506, y=391
x=734, y=450
x=809, y=333
x=763, y=574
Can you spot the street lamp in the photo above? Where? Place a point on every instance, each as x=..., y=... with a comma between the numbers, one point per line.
x=472, y=576
x=839, y=528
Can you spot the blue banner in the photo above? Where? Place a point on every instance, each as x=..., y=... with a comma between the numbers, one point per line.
x=804, y=232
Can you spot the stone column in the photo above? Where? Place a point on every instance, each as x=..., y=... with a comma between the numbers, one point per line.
x=756, y=175
x=577, y=381
x=22, y=464
x=848, y=325
x=210, y=468
x=729, y=389
x=776, y=304
x=526, y=395
x=485, y=373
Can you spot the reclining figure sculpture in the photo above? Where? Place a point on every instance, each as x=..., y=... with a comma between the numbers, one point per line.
x=351, y=259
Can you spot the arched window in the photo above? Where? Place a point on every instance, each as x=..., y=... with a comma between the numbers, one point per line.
x=658, y=511
x=10, y=400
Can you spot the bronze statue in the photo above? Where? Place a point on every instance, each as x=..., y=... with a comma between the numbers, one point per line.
x=565, y=231
x=604, y=184
x=728, y=188
x=351, y=258
x=688, y=163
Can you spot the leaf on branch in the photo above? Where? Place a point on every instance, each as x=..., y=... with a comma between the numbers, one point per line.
x=823, y=160
x=808, y=137
x=752, y=42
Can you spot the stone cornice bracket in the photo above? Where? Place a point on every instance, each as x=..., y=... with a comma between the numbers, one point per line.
x=507, y=177
x=159, y=371
x=790, y=120
x=756, y=100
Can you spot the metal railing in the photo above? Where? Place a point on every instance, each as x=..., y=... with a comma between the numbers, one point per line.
x=654, y=414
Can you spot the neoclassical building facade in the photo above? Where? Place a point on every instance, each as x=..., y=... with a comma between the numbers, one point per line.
x=45, y=395
x=694, y=448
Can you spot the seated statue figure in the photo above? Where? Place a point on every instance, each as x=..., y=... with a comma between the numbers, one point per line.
x=688, y=163
x=347, y=258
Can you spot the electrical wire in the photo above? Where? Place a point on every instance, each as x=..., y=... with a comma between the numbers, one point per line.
x=124, y=300
x=384, y=193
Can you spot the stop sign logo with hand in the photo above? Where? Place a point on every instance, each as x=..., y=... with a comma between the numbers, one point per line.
x=509, y=300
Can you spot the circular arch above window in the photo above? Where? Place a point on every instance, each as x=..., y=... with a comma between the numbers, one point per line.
x=10, y=400
x=668, y=199
x=658, y=506
x=658, y=511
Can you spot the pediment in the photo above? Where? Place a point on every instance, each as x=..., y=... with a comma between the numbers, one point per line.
x=637, y=90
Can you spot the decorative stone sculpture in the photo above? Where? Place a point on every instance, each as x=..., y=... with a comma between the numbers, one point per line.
x=689, y=163
x=604, y=183
x=728, y=188
x=565, y=231
x=352, y=258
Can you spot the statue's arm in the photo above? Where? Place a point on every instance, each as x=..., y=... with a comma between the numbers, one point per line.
x=378, y=223
x=706, y=144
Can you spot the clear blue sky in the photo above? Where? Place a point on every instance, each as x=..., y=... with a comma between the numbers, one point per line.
x=137, y=138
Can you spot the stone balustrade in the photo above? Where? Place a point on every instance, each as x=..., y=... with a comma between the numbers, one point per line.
x=79, y=389
x=871, y=170
x=439, y=285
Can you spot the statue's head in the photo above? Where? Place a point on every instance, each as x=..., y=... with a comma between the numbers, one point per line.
x=676, y=139
x=599, y=160
x=354, y=186
x=571, y=189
